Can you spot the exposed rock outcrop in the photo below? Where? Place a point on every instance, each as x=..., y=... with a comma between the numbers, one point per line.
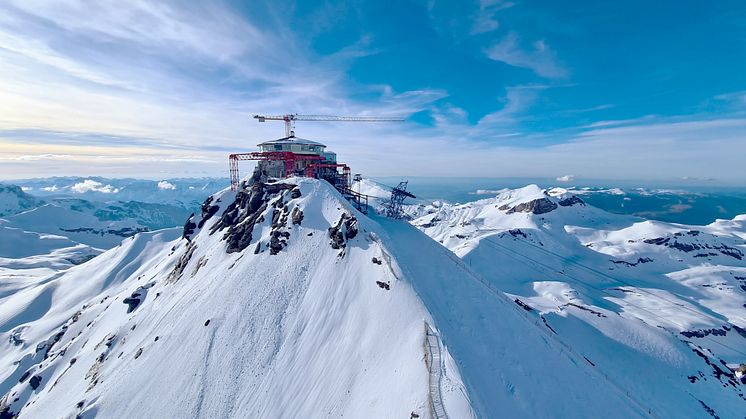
x=345, y=230
x=573, y=200
x=537, y=206
x=248, y=209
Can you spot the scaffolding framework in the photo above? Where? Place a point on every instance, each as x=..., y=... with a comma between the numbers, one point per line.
x=341, y=180
x=287, y=157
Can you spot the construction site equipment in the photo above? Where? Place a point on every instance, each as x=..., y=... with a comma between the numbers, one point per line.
x=290, y=119
x=339, y=180
x=287, y=157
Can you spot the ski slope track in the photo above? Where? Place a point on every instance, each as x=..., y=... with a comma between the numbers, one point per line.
x=658, y=310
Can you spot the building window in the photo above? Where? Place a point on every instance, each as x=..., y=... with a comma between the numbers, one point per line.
x=278, y=147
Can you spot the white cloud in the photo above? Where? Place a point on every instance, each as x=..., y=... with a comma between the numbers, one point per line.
x=36, y=157
x=90, y=185
x=52, y=188
x=26, y=188
x=166, y=185
x=485, y=19
x=539, y=58
x=487, y=191
x=565, y=178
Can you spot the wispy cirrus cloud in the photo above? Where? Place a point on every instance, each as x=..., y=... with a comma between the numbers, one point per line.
x=485, y=18
x=165, y=78
x=537, y=57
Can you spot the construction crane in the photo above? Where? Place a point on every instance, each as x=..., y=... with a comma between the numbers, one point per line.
x=291, y=118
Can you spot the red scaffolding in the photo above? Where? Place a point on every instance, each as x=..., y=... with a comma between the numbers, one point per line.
x=289, y=159
x=343, y=179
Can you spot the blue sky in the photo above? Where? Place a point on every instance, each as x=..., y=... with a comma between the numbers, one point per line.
x=583, y=89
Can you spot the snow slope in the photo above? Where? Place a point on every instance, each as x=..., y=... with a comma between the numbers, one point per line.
x=657, y=308
x=77, y=224
x=14, y=200
x=281, y=300
x=239, y=334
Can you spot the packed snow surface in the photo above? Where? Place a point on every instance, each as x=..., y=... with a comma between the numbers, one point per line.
x=658, y=308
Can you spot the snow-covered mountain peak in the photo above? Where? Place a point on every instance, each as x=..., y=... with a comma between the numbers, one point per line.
x=282, y=300
x=277, y=301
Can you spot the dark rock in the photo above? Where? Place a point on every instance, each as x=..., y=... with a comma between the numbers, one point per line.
x=383, y=285
x=523, y=305
x=35, y=381
x=245, y=211
x=517, y=232
x=138, y=296
x=181, y=264
x=138, y=353
x=275, y=244
x=573, y=200
x=537, y=206
x=132, y=302
x=189, y=227
x=376, y=261
x=15, y=337
x=297, y=216
x=547, y=325
x=48, y=344
x=703, y=332
x=295, y=193
x=709, y=410
x=639, y=261
x=24, y=376
x=5, y=412
x=258, y=248
x=275, y=218
x=208, y=211
x=346, y=229
x=718, y=372
x=432, y=223
x=207, y=322
x=590, y=310
x=658, y=240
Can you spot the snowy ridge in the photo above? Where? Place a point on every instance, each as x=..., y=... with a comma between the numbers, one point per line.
x=632, y=297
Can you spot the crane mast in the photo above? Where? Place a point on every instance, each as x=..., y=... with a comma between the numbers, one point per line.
x=290, y=119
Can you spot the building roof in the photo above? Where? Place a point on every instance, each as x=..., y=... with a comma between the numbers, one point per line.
x=291, y=140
